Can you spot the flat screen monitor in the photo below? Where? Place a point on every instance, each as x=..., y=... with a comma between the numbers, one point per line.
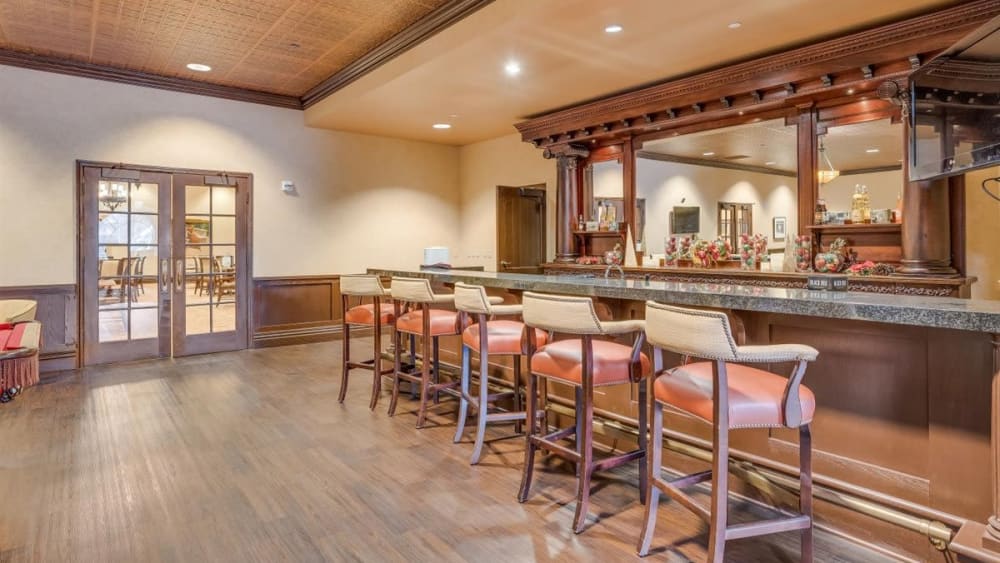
x=686, y=220
x=954, y=103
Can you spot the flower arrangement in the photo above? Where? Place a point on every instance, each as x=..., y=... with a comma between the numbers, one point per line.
x=833, y=260
x=751, y=249
x=677, y=249
x=708, y=254
x=869, y=268
x=803, y=253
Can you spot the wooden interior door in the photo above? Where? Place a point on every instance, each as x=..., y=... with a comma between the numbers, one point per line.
x=211, y=263
x=125, y=264
x=521, y=244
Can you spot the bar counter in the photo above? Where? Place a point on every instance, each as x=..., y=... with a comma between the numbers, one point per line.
x=904, y=385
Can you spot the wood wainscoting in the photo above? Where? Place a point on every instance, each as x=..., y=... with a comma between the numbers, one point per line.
x=57, y=311
x=296, y=310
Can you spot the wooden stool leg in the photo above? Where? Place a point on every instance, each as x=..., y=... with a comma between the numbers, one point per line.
x=397, y=357
x=413, y=361
x=377, y=359
x=437, y=368
x=654, y=455
x=346, y=355
x=805, y=490
x=518, y=406
x=643, y=437
x=578, y=396
x=586, y=467
x=463, y=402
x=484, y=406
x=720, y=494
x=425, y=368
x=529, y=447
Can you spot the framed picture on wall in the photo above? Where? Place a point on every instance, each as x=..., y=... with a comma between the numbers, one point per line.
x=779, y=228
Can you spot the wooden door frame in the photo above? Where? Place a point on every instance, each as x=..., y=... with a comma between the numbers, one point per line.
x=545, y=219
x=78, y=211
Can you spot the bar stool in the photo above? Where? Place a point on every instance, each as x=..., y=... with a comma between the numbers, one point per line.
x=428, y=323
x=584, y=363
x=729, y=396
x=488, y=338
x=364, y=315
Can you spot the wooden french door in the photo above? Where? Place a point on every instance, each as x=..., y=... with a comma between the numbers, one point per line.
x=164, y=263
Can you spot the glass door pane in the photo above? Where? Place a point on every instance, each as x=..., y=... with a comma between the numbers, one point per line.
x=123, y=236
x=212, y=240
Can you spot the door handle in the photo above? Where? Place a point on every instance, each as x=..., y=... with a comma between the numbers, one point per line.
x=179, y=275
x=165, y=275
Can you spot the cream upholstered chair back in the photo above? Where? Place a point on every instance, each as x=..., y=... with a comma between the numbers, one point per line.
x=558, y=313
x=690, y=332
x=362, y=285
x=472, y=299
x=414, y=290
x=17, y=310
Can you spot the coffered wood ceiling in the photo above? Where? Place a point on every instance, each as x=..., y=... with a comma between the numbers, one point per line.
x=282, y=47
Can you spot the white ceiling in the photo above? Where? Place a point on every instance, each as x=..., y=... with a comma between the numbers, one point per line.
x=458, y=76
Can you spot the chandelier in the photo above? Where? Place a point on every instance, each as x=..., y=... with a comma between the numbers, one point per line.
x=828, y=175
x=112, y=195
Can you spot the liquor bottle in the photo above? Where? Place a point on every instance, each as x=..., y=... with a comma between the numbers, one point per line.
x=857, y=215
x=866, y=205
x=580, y=225
x=897, y=214
x=821, y=215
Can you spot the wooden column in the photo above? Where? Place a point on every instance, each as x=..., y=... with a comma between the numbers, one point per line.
x=567, y=198
x=926, y=222
x=926, y=229
x=808, y=180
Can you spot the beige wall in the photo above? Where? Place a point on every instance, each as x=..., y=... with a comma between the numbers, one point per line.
x=356, y=193
x=883, y=187
x=504, y=161
x=667, y=184
x=982, y=228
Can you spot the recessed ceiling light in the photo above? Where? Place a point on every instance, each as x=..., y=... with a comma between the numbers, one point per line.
x=735, y=25
x=850, y=91
x=708, y=153
x=741, y=112
x=769, y=163
x=198, y=67
x=512, y=68
x=872, y=151
x=613, y=28
x=442, y=126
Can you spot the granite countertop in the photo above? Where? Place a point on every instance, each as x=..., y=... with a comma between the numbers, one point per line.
x=941, y=312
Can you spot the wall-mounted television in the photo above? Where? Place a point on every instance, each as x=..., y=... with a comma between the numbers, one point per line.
x=954, y=103
x=685, y=220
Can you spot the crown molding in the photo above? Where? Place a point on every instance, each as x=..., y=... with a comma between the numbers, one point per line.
x=424, y=28
x=136, y=78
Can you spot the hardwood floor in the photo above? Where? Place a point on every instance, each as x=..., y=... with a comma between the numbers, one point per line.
x=247, y=456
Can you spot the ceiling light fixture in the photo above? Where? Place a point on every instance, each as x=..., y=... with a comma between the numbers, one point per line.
x=871, y=151
x=708, y=153
x=826, y=176
x=735, y=25
x=850, y=91
x=512, y=68
x=442, y=126
x=198, y=67
x=770, y=163
x=613, y=28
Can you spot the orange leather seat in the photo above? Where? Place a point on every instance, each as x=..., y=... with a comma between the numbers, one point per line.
x=503, y=337
x=755, y=396
x=365, y=314
x=563, y=360
x=443, y=322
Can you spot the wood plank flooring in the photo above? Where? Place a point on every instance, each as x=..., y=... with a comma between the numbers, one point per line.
x=247, y=456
